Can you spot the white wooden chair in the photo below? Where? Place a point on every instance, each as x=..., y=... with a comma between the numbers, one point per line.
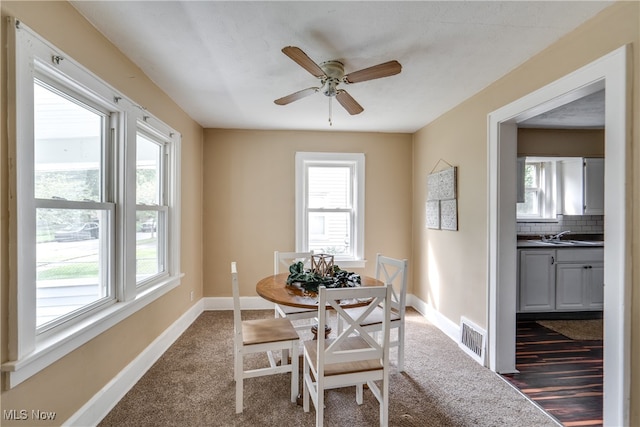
x=282, y=260
x=354, y=357
x=391, y=272
x=262, y=335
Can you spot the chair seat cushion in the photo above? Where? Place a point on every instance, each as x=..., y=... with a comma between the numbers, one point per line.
x=351, y=343
x=268, y=330
x=375, y=317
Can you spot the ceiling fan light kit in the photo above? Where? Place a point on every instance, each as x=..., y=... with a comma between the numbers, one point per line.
x=331, y=74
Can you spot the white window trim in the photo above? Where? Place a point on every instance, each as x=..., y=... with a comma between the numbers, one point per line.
x=356, y=159
x=29, y=353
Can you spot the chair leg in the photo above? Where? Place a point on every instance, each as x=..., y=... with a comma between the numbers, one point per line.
x=239, y=382
x=305, y=386
x=320, y=407
x=401, y=348
x=384, y=405
x=359, y=393
x=294, y=371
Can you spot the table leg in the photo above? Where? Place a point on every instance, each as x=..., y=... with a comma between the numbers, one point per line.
x=314, y=331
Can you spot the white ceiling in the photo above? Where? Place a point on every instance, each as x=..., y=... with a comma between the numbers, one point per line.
x=222, y=61
x=583, y=113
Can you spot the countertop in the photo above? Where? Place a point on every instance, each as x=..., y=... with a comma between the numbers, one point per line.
x=567, y=241
x=560, y=244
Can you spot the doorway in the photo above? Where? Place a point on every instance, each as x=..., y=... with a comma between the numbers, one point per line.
x=610, y=73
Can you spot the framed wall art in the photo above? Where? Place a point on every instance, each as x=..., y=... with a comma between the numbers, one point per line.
x=442, y=202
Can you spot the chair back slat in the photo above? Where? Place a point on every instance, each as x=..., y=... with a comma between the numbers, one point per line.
x=282, y=260
x=393, y=272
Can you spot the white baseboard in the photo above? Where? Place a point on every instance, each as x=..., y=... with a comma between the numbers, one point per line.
x=102, y=402
x=449, y=328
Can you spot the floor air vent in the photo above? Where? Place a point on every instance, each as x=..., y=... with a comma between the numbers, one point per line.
x=472, y=339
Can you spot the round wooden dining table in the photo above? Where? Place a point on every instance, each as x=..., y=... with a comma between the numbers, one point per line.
x=275, y=289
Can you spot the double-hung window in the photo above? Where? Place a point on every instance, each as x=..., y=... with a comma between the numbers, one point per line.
x=151, y=205
x=533, y=191
x=97, y=180
x=539, y=190
x=72, y=202
x=330, y=205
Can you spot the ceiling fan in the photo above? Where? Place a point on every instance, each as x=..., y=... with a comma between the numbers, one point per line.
x=331, y=74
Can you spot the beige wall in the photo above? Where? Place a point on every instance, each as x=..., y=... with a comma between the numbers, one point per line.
x=561, y=142
x=69, y=383
x=249, y=200
x=452, y=274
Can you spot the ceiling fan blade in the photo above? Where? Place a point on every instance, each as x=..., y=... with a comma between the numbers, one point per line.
x=349, y=104
x=303, y=60
x=296, y=95
x=377, y=71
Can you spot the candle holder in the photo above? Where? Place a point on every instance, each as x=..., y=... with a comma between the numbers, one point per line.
x=322, y=265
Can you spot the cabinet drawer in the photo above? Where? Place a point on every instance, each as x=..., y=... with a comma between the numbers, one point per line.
x=580, y=255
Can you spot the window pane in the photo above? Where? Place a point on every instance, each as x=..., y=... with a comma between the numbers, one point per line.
x=71, y=260
x=68, y=148
x=531, y=206
x=148, y=254
x=336, y=238
x=531, y=176
x=329, y=187
x=148, y=155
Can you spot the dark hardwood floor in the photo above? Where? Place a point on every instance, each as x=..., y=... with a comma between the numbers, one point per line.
x=562, y=375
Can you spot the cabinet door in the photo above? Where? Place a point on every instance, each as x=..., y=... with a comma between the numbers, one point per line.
x=595, y=290
x=571, y=291
x=572, y=188
x=582, y=183
x=537, y=280
x=594, y=186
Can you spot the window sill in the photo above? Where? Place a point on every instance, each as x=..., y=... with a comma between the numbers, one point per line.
x=537, y=220
x=58, y=345
x=350, y=263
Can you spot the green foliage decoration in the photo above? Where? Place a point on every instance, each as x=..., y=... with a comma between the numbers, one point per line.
x=311, y=281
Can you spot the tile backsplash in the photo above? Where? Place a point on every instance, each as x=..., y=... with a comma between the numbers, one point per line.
x=578, y=224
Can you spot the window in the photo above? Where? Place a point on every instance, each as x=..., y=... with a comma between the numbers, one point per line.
x=539, y=190
x=151, y=206
x=71, y=204
x=96, y=178
x=330, y=205
x=532, y=190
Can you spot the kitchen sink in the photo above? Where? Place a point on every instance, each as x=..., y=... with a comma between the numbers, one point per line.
x=566, y=242
x=554, y=242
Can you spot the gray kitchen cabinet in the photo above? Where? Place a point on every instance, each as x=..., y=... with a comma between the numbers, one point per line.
x=580, y=279
x=537, y=280
x=582, y=186
x=563, y=279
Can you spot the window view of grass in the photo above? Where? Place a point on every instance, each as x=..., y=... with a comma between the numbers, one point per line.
x=75, y=270
x=61, y=268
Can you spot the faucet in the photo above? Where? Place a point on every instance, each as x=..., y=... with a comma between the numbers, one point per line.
x=559, y=235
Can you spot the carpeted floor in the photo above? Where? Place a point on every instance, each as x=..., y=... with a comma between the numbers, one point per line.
x=192, y=385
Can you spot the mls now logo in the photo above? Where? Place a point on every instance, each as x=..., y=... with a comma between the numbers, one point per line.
x=23, y=414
